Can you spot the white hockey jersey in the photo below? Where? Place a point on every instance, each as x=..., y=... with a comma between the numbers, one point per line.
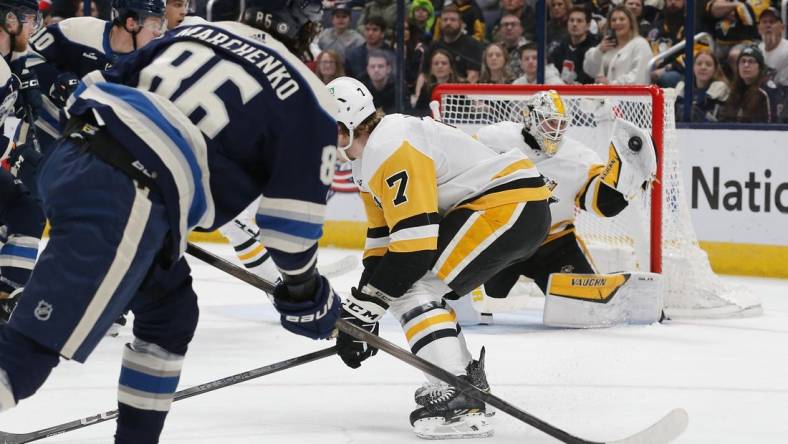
x=416, y=169
x=574, y=170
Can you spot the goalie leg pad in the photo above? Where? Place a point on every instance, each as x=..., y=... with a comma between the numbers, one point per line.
x=603, y=300
x=632, y=160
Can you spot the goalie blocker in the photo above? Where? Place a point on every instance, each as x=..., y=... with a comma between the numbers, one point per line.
x=603, y=300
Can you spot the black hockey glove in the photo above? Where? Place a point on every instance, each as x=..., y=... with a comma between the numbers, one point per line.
x=314, y=317
x=62, y=88
x=29, y=100
x=363, y=311
x=24, y=161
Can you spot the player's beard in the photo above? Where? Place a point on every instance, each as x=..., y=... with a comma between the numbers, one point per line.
x=20, y=42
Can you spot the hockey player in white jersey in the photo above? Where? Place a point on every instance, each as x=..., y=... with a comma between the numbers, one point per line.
x=445, y=214
x=581, y=181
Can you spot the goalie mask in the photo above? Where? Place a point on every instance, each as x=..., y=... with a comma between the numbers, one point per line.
x=546, y=120
x=354, y=103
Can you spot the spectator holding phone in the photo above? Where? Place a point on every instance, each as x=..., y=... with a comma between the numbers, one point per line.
x=622, y=56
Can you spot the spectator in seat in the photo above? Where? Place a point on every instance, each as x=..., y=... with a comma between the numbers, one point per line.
x=734, y=25
x=423, y=15
x=528, y=61
x=441, y=70
x=414, y=54
x=558, y=15
x=774, y=46
x=380, y=82
x=510, y=34
x=754, y=96
x=471, y=16
x=466, y=51
x=636, y=8
x=667, y=31
x=339, y=37
x=519, y=8
x=710, y=92
x=356, y=59
x=385, y=9
x=329, y=65
x=621, y=58
x=495, y=65
x=568, y=57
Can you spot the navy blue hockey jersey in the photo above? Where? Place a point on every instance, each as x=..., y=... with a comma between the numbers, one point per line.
x=78, y=45
x=220, y=114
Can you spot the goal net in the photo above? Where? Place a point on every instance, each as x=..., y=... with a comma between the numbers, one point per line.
x=654, y=233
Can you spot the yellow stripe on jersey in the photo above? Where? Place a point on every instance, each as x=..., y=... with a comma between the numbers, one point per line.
x=524, y=164
x=374, y=213
x=406, y=185
x=411, y=245
x=506, y=197
x=588, y=287
x=474, y=237
x=429, y=322
x=371, y=252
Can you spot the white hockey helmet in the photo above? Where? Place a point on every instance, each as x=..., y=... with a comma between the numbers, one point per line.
x=546, y=120
x=354, y=102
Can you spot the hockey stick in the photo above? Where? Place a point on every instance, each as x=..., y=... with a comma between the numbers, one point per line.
x=19, y=438
x=663, y=431
x=340, y=267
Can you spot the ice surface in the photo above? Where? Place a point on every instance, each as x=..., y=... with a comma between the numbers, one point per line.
x=730, y=375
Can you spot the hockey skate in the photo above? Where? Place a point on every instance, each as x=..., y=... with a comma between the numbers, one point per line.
x=447, y=413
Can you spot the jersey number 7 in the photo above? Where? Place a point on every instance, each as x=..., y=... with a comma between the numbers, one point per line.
x=401, y=181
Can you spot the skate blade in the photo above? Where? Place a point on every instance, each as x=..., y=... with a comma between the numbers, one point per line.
x=472, y=425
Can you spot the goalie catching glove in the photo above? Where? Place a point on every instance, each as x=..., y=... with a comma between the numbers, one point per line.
x=632, y=160
x=362, y=310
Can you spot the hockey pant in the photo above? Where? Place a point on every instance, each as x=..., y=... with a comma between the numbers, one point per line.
x=473, y=246
x=23, y=218
x=100, y=260
x=565, y=254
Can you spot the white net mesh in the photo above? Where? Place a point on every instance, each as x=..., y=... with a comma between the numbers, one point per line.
x=622, y=242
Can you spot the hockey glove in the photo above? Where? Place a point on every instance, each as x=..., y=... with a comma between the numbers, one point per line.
x=62, y=88
x=362, y=310
x=311, y=318
x=29, y=100
x=24, y=161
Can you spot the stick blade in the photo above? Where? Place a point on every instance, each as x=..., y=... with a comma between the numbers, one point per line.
x=663, y=431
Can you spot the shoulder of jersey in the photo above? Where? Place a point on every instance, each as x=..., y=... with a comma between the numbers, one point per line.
x=308, y=77
x=386, y=139
x=88, y=31
x=573, y=149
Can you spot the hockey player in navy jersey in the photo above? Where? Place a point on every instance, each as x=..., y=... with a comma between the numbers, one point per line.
x=184, y=134
x=20, y=214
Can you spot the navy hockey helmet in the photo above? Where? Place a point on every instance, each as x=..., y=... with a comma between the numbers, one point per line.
x=24, y=11
x=294, y=22
x=137, y=9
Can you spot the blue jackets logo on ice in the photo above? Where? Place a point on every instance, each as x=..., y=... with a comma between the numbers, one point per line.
x=43, y=311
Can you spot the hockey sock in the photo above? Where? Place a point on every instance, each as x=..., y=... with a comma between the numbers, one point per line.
x=249, y=250
x=433, y=334
x=148, y=379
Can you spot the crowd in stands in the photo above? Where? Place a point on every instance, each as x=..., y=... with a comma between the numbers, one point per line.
x=741, y=75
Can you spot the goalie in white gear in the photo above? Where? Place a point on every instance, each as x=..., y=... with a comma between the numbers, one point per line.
x=579, y=178
x=438, y=223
